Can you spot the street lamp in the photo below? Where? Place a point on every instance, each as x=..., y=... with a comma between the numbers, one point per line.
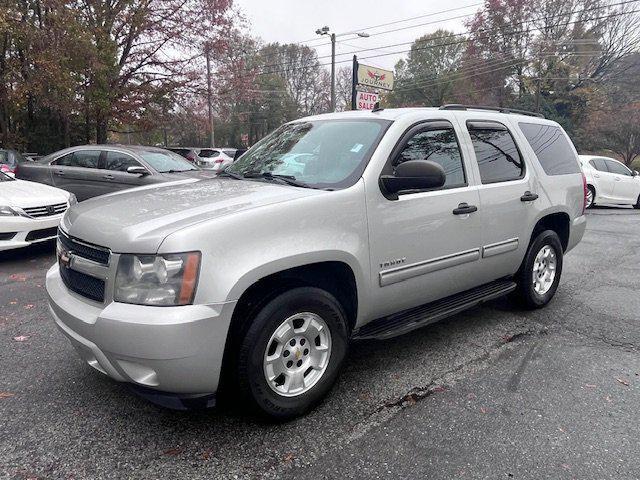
x=325, y=31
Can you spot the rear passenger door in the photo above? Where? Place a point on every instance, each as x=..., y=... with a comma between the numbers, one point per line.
x=604, y=178
x=507, y=211
x=77, y=172
x=625, y=186
x=114, y=171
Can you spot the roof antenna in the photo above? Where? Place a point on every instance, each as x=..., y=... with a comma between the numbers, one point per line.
x=376, y=107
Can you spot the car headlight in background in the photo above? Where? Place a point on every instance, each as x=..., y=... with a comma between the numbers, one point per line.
x=7, y=211
x=160, y=280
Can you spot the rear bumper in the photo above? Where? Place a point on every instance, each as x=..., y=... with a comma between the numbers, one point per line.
x=169, y=349
x=22, y=226
x=578, y=227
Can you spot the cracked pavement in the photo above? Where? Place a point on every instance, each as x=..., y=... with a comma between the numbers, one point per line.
x=495, y=392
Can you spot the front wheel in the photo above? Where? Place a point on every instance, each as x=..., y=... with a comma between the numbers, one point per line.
x=591, y=195
x=539, y=274
x=292, y=353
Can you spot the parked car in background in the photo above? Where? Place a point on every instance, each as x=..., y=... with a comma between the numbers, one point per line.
x=610, y=181
x=208, y=158
x=9, y=161
x=92, y=170
x=29, y=212
x=335, y=227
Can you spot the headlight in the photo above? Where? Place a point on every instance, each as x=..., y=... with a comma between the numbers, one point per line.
x=7, y=211
x=72, y=199
x=165, y=280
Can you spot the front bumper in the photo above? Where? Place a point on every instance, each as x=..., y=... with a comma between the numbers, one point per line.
x=22, y=226
x=169, y=349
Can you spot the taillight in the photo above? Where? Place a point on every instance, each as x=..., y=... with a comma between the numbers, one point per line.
x=585, y=190
x=219, y=160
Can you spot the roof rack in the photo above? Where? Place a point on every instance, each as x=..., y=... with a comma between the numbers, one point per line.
x=456, y=106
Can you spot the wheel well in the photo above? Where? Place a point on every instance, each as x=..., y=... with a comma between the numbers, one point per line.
x=336, y=278
x=559, y=223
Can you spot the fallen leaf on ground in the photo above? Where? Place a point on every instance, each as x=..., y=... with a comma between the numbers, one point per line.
x=6, y=394
x=13, y=302
x=589, y=385
x=29, y=306
x=18, y=278
x=289, y=457
x=623, y=381
x=21, y=338
x=483, y=410
x=172, y=451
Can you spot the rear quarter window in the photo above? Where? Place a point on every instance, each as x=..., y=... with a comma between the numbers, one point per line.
x=552, y=148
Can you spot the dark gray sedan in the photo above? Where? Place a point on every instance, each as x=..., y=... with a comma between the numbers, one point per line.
x=92, y=170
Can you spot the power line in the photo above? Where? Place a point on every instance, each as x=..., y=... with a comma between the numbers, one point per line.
x=466, y=40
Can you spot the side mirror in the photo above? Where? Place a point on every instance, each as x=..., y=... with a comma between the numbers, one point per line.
x=414, y=175
x=138, y=171
x=636, y=173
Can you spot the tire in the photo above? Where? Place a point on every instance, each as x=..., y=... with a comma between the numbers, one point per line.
x=306, y=305
x=593, y=196
x=637, y=205
x=530, y=293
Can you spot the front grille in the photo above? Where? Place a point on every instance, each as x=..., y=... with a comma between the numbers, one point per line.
x=40, y=234
x=7, y=235
x=95, y=253
x=83, y=284
x=46, y=210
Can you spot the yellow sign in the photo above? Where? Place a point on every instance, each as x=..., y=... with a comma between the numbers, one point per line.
x=375, y=77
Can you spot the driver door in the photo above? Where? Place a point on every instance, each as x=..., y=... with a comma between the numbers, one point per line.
x=420, y=249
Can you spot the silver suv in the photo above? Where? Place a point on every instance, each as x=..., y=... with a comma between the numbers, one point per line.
x=355, y=225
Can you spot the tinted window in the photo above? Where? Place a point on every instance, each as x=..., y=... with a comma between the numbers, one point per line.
x=551, y=147
x=81, y=158
x=497, y=154
x=598, y=164
x=618, y=168
x=439, y=146
x=119, y=161
x=64, y=161
x=206, y=153
x=229, y=153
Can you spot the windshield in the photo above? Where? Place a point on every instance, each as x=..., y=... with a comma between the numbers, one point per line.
x=166, y=161
x=5, y=178
x=320, y=153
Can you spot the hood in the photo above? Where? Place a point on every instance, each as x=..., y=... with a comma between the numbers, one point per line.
x=20, y=193
x=137, y=221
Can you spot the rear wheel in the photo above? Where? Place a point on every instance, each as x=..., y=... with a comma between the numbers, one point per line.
x=540, y=271
x=292, y=353
x=591, y=195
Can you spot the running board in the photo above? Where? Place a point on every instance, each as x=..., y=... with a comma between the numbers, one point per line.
x=408, y=320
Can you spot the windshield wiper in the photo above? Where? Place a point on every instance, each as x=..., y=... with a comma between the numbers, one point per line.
x=178, y=171
x=288, y=179
x=237, y=176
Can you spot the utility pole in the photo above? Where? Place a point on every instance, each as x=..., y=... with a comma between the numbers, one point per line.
x=209, y=104
x=333, y=72
x=325, y=31
x=354, y=83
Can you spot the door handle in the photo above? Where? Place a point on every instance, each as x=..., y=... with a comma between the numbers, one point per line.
x=465, y=208
x=60, y=173
x=617, y=179
x=597, y=176
x=529, y=197
x=108, y=177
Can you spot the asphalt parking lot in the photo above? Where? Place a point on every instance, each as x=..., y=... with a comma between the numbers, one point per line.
x=495, y=392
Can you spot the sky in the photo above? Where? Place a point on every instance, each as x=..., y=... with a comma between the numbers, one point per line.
x=292, y=21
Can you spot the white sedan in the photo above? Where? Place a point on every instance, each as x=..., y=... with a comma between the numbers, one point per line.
x=29, y=212
x=610, y=181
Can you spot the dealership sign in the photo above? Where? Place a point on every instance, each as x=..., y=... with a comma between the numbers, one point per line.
x=375, y=77
x=366, y=100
